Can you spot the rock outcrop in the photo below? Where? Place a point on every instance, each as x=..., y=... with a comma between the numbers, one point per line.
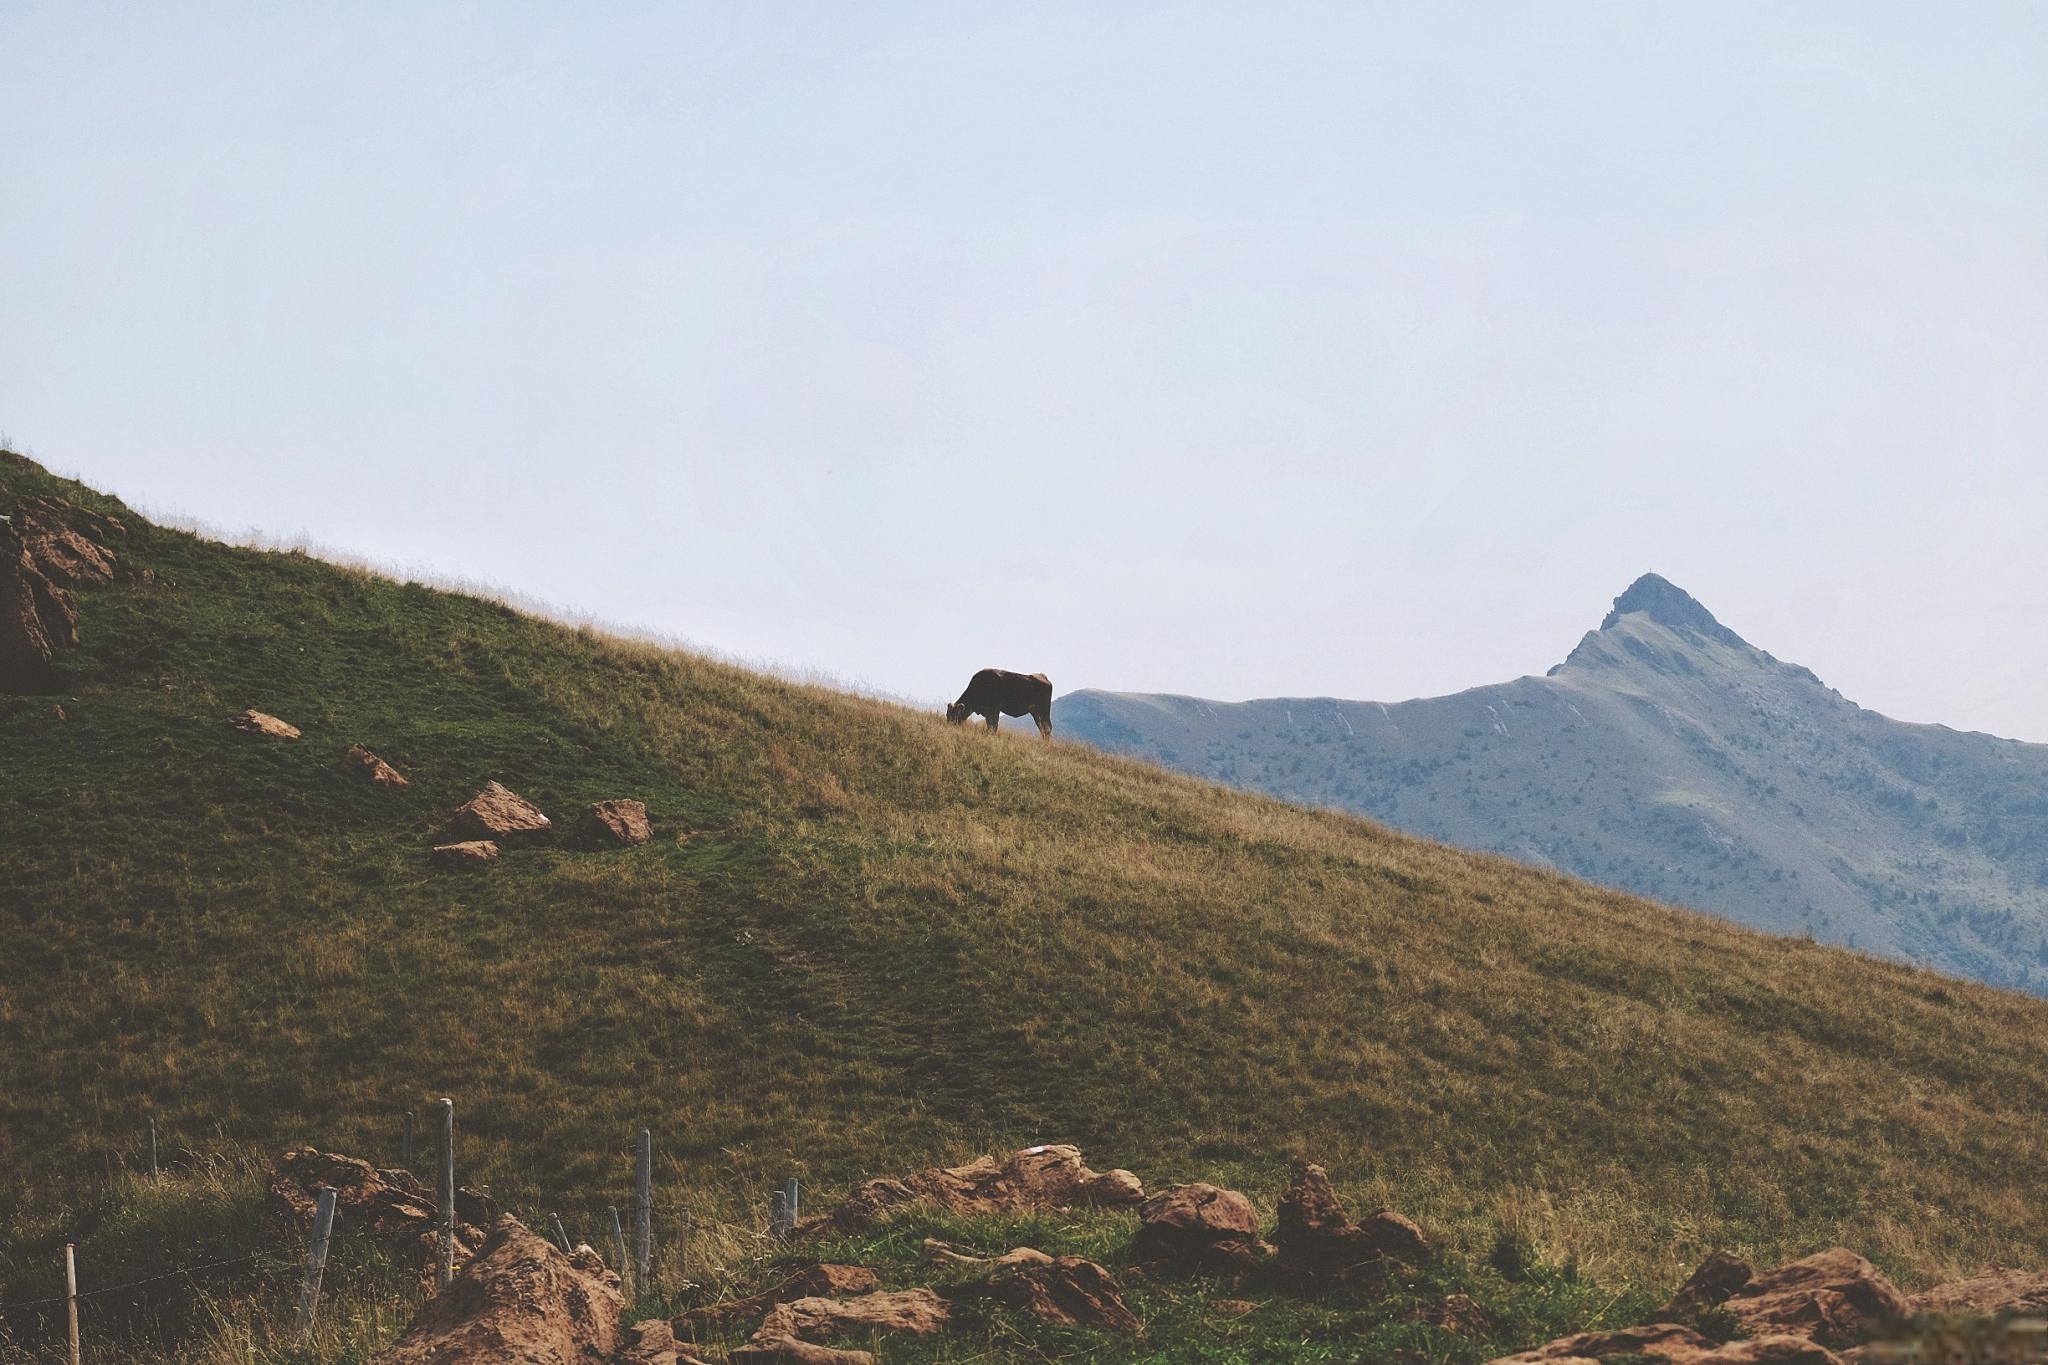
x=389, y=1206
x=621, y=822
x=939, y=1253
x=653, y=1342
x=48, y=547
x=254, y=722
x=790, y=1351
x=1037, y=1178
x=1834, y=1298
x=1668, y=1343
x=913, y=1312
x=371, y=768
x=1994, y=1293
x=1200, y=1227
x=1069, y=1290
x=468, y=853
x=1317, y=1238
x=1717, y=1279
x=520, y=1299
x=497, y=813
x=812, y=1282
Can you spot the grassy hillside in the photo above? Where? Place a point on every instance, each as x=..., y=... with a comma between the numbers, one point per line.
x=862, y=939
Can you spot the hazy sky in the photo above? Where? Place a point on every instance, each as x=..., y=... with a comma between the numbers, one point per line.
x=1244, y=350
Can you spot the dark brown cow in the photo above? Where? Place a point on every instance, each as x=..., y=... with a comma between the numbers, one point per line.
x=997, y=692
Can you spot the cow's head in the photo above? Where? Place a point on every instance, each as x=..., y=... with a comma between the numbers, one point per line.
x=957, y=713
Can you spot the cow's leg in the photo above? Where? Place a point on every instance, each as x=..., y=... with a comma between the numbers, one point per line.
x=993, y=717
x=1044, y=719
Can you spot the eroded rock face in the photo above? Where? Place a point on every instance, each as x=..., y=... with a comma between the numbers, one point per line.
x=1317, y=1238
x=497, y=813
x=1671, y=1344
x=390, y=1206
x=371, y=768
x=938, y=1253
x=1200, y=1227
x=616, y=822
x=822, y=1281
x=1070, y=1291
x=1046, y=1177
x=1719, y=1277
x=468, y=853
x=521, y=1299
x=790, y=1351
x=1834, y=1298
x=653, y=1342
x=914, y=1312
x=48, y=547
x=254, y=722
x=1995, y=1293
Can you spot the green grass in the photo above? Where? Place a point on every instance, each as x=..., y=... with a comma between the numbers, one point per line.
x=862, y=940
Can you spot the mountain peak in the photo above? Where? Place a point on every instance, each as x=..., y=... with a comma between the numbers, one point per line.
x=1666, y=603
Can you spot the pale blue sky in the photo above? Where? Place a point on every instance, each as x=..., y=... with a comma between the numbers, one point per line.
x=1240, y=350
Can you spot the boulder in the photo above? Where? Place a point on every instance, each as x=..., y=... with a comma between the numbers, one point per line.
x=371, y=768
x=790, y=1351
x=468, y=853
x=497, y=813
x=1069, y=1291
x=616, y=822
x=1316, y=1237
x=47, y=547
x=1671, y=1344
x=1200, y=1227
x=1717, y=1280
x=1994, y=1293
x=1034, y=1179
x=253, y=722
x=389, y=1206
x=520, y=1299
x=1834, y=1298
x=822, y=1281
x=913, y=1312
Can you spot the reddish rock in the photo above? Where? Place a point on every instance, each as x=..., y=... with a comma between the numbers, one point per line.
x=1199, y=1226
x=1718, y=1279
x=1316, y=1237
x=468, y=853
x=822, y=1281
x=913, y=1312
x=938, y=1253
x=499, y=814
x=520, y=1300
x=616, y=822
x=47, y=547
x=371, y=768
x=253, y=722
x=1069, y=1291
x=1835, y=1298
x=1037, y=1178
x=389, y=1206
x=1670, y=1344
x=790, y=1351
x=653, y=1342
x=1994, y=1293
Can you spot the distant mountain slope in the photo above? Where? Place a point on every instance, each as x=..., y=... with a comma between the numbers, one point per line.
x=1669, y=757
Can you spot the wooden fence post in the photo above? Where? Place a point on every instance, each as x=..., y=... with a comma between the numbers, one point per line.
x=71, y=1295
x=778, y=1215
x=447, y=1192
x=619, y=1245
x=153, y=1169
x=561, y=1233
x=792, y=1193
x=316, y=1258
x=643, y=1211
x=683, y=1247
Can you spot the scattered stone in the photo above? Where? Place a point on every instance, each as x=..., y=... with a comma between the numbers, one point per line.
x=253, y=722
x=1200, y=1227
x=390, y=1206
x=914, y=1312
x=497, y=813
x=822, y=1281
x=653, y=1342
x=1994, y=1293
x=1719, y=1277
x=1069, y=1291
x=468, y=853
x=1034, y=1179
x=520, y=1299
x=371, y=768
x=617, y=822
x=939, y=1253
x=1834, y=1298
x=1670, y=1344
x=1318, y=1238
x=790, y=1351
x=59, y=713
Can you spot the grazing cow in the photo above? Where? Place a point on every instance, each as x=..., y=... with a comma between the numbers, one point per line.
x=996, y=692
